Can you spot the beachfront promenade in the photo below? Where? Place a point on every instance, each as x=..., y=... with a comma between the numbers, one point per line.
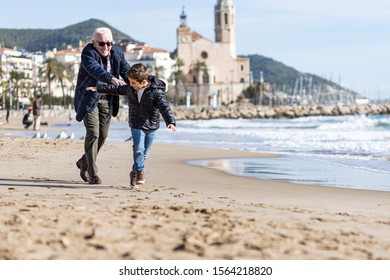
x=246, y=111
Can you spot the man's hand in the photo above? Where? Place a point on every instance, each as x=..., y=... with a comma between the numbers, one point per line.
x=117, y=82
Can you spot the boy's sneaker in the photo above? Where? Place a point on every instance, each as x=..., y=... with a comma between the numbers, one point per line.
x=140, y=178
x=133, y=179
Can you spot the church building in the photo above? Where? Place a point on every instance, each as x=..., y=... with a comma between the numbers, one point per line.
x=215, y=74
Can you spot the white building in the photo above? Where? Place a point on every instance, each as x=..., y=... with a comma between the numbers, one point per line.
x=158, y=61
x=21, y=88
x=72, y=57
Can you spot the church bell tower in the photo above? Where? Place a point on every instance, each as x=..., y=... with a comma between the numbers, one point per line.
x=183, y=32
x=225, y=29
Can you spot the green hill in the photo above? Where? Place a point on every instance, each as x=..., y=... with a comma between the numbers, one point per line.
x=285, y=78
x=280, y=75
x=33, y=40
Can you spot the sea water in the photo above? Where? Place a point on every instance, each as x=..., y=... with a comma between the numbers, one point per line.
x=339, y=151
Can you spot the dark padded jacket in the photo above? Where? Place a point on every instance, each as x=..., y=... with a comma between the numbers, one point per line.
x=91, y=71
x=144, y=115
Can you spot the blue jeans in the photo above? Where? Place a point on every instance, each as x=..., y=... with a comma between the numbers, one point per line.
x=142, y=143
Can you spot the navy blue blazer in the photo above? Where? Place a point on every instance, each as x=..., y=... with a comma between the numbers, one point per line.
x=91, y=72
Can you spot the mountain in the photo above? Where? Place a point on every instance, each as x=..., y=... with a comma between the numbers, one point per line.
x=33, y=40
x=285, y=78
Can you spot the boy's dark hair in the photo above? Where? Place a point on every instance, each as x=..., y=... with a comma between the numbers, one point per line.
x=138, y=72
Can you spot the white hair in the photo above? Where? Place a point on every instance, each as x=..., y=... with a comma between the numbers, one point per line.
x=102, y=31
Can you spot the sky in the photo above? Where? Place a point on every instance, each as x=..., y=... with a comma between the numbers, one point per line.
x=346, y=41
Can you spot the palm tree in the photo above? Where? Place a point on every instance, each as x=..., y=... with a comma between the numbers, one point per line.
x=61, y=72
x=16, y=77
x=51, y=72
x=178, y=76
x=1, y=70
x=1, y=83
x=156, y=70
x=57, y=71
x=70, y=76
x=199, y=70
x=3, y=86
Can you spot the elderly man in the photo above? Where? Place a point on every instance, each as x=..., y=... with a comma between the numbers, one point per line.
x=101, y=61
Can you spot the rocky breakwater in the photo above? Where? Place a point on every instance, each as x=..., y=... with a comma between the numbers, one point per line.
x=267, y=112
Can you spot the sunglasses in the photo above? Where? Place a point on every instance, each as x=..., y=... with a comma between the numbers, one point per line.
x=101, y=44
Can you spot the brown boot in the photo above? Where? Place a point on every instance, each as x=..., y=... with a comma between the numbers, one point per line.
x=83, y=171
x=95, y=180
x=140, y=178
x=133, y=179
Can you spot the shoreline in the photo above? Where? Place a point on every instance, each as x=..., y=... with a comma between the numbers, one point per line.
x=296, y=169
x=183, y=211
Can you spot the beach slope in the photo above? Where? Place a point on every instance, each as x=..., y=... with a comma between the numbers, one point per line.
x=182, y=212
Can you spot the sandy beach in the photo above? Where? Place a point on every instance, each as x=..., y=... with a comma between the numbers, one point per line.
x=182, y=212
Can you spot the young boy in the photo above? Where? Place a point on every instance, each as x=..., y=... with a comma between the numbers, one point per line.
x=146, y=95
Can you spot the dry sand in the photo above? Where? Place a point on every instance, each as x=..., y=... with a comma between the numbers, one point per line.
x=182, y=212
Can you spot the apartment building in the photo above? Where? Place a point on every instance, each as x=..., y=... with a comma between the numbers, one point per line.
x=19, y=71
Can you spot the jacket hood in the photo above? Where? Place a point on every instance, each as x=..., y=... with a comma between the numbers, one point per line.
x=158, y=83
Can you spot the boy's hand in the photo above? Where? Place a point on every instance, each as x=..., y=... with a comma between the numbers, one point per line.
x=171, y=127
x=91, y=88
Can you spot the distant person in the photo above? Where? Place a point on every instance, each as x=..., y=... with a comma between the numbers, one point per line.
x=37, y=112
x=101, y=61
x=28, y=119
x=7, y=115
x=146, y=95
x=70, y=116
